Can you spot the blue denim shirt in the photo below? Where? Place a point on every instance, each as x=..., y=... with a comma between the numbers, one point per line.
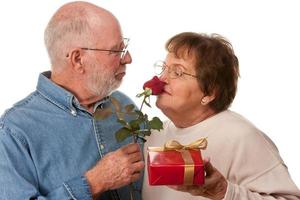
x=47, y=143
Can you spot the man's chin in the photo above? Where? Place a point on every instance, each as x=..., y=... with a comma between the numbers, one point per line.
x=116, y=84
x=109, y=89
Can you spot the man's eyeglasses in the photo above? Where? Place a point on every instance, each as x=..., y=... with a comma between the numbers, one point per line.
x=174, y=71
x=122, y=52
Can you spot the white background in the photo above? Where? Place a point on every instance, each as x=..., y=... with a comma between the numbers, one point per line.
x=264, y=34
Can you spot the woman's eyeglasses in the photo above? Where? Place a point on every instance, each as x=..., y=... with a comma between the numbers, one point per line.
x=174, y=71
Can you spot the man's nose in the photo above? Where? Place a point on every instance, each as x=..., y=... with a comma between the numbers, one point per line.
x=127, y=59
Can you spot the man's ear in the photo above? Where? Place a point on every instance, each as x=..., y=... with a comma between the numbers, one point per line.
x=76, y=60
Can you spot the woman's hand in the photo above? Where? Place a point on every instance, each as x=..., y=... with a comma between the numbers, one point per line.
x=215, y=184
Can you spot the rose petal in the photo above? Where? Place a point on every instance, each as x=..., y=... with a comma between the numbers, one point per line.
x=156, y=85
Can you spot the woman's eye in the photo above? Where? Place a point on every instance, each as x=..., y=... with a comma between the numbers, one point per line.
x=178, y=73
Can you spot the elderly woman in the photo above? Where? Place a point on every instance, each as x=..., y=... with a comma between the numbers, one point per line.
x=241, y=162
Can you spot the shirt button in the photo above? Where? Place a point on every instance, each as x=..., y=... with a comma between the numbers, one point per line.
x=73, y=112
x=101, y=146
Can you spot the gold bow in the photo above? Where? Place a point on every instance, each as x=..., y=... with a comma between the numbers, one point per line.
x=175, y=145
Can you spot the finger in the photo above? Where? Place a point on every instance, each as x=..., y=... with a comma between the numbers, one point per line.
x=135, y=157
x=209, y=169
x=197, y=190
x=131, y=148
x=174, y=187
x=138, y=166
x=206, y=159
x=181, y=188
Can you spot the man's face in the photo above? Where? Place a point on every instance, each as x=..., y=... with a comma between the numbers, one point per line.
x=105, y=70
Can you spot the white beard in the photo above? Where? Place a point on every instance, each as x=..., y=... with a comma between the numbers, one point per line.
x=102, y=82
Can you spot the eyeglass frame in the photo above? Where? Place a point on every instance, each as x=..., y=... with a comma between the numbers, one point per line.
x=123, y=51
x=164, y=66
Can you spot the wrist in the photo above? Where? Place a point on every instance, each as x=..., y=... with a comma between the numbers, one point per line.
x=95, y=183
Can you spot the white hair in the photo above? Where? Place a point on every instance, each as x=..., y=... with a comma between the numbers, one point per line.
x=64, y=31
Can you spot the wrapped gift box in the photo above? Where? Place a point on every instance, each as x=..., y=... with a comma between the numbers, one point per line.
x=175, y=167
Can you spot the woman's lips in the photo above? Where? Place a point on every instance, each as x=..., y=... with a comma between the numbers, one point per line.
x=166, y=92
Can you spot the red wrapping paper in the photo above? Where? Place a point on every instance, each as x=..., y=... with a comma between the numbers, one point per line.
x=168, y=167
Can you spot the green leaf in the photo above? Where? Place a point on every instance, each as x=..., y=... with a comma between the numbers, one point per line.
x=145, y=117
x=129, y=108
x=133, y=114
x=135, y=124
x=147, y=101
x=140, y=94
x=139, y=113
x=122, y=134
x=101, y=114
x=116, y=104
x=156, y=124
x=123, y=122
x=147, y=104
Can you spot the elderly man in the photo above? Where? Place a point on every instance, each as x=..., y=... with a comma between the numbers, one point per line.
x=51, y=147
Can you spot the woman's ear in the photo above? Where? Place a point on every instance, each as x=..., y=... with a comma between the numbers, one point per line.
x=207, y=99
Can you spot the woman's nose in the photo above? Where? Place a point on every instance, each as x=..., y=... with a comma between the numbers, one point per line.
x=164, y=76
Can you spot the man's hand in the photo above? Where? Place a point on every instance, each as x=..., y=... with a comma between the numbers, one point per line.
x=116, y=169
x=215, y=184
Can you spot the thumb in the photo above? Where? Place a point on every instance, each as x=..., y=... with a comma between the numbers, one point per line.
x=209, y=169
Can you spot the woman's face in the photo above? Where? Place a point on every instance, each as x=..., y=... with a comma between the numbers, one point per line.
x=182, y=94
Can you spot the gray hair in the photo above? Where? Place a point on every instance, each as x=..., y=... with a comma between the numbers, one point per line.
x=66, y=30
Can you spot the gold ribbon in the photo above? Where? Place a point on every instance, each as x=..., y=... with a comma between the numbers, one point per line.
x=189, y=164
x=175, y=145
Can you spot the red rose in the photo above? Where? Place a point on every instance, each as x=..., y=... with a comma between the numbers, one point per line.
x=156, y=85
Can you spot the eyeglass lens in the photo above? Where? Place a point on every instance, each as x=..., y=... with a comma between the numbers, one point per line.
x=125, y=49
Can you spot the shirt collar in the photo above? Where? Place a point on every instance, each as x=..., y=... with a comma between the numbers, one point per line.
x=60, y=96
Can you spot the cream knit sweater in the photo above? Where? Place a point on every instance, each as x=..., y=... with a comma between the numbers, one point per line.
x=242, y=153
